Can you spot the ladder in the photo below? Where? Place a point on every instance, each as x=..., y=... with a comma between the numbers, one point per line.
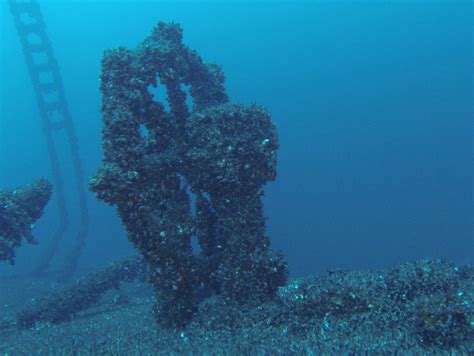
x=55, y=116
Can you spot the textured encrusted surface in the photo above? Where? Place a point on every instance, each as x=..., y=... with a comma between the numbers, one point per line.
x=156, y=160
x=424, y=307
x=19, y=210
x=83, y=294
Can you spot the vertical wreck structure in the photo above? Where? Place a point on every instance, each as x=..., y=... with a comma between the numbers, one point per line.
x=156, y=159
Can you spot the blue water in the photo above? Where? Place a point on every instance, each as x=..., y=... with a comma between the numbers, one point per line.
x=372, y=100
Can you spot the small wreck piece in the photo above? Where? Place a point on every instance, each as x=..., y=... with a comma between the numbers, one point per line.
x=20, y=208
x=82, y=294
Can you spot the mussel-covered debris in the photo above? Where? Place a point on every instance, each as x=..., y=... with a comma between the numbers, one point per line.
x=82, y=294
x=221, y=153
x=415, y=308
x=20, y=208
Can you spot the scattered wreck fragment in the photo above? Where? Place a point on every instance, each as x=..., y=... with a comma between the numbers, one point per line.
x=20, y=208
x=82, y=294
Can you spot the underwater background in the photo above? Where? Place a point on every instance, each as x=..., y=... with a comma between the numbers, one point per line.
x=372, y=102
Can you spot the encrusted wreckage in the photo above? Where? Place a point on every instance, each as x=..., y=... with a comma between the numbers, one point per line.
x=182, y=172
x=84, y=293
x=19, y=209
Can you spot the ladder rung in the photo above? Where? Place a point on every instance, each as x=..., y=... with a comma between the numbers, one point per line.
x=57, y=125
x=44, y=67
x=26, y=6
x=47, y=87
x=56, y=106
x=40, y=47
x=31, y=28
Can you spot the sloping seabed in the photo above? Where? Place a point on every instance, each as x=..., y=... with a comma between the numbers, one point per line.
x=419, y=307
